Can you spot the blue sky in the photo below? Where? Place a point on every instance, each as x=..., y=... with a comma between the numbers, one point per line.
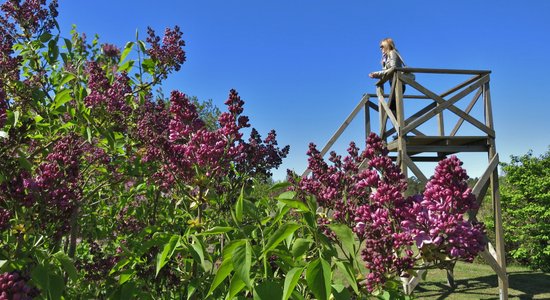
x=301, y=66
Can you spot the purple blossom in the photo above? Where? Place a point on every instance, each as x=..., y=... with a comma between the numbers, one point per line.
x=170, y=54
x=110, y=51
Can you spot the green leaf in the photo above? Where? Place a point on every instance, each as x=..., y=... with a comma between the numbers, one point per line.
x=291, y=279
x=126, y=50
x=268, y=290
x=126, y=275
x=119, y=265
x=297, y=204
x=2, y=263
x=3, y=134
x=348, y=274
x=40, y=277
x=346, y=236
x=222, y=273
x=300, y=247
x=168, y=250
x=235, y=287
x=197, y=250
x=318, y=275
x=46, y=36
x=66, y=79
x=278, y=236
x=242, y=261
x=68, y=44
x=239, y=206
x=340, y=292
x=126, y=67
x=53, y=51
x=288, y=195
x=56, y=287
x=216, y=230
x=89, y=134
x=67, y=264
x=279, y=185
x=228, y=250
x=23, y=161
x=61, y=98
x=15, y=117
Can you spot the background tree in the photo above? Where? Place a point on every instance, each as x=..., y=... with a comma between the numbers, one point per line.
x=526, y=209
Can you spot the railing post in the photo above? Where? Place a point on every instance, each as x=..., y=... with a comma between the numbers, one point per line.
x=402, y=146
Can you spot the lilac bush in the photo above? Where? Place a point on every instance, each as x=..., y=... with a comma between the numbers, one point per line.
x=365, y=192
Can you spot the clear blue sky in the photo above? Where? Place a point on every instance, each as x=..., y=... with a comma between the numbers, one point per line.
x=302, y=65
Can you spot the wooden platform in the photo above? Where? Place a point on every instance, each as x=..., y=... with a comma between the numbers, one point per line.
x=442, y=145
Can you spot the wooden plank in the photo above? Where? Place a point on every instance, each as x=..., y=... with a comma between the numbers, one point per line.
x=367, y=120
x=442, y=71
x=382, y=112
x=484, y=179
x=448, y=104
x=488, y=108
x=401, y=142
x=341, y=129
x=461, y=86
x=468, y=110
x=447, y=149
x=414, y=168
x=416, y=115
x=501, y=273
x=417, y=132
x=388, y=113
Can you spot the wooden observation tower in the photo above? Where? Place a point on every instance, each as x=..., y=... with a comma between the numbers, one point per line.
x=411, y=144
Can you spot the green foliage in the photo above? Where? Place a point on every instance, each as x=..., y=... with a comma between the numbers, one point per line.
x=525, y=194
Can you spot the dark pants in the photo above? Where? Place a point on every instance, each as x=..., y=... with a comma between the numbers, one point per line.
x=392, y=100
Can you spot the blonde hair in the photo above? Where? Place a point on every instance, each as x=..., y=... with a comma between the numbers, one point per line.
x=389, y=43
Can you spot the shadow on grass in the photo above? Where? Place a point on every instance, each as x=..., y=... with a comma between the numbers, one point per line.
x=523, y=285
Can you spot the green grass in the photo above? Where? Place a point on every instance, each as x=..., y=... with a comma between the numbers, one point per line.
x=479, y=281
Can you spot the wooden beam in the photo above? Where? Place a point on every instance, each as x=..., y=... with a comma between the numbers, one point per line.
x=484, y=179
x=414, y=168
x=447, y=149
x=448, y=104
x=442, y=71
x=341, y=129
x=468, y=109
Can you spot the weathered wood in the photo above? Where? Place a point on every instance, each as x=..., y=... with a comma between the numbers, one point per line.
x=442, y=71
x=402, y=145
x=414, y=116
x=414, y=168
x=461, y=86
x=448, y=104
x=418, y=132
x=341, y=129
x=367, y=120
x=484, y=179
x=468, y=110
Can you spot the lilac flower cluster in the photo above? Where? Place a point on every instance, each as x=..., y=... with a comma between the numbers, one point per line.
x=437, y=221
x=5, y=216
x=110, y=96
x=262, y=156
x=32, y=16
x=13, y=285
x=110, y=51
x=100, y=265
x=187, y=150
x=170, y=53
x=364, y=191
x=3, y=106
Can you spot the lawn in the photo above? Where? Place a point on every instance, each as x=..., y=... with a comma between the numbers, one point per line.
x=478, y=281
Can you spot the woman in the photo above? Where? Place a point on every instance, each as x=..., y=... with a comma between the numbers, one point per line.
x=390, y=59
